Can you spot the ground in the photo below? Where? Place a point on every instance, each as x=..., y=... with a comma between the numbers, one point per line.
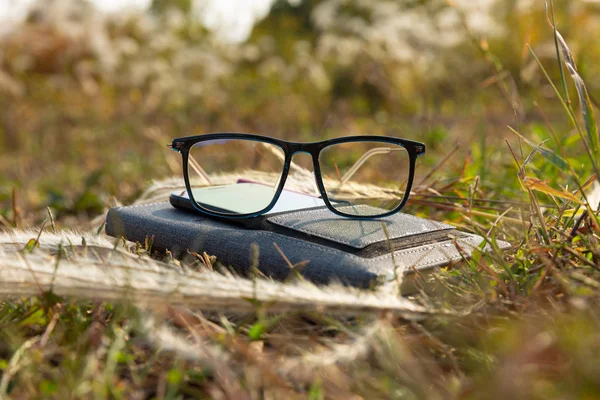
x=506, y=109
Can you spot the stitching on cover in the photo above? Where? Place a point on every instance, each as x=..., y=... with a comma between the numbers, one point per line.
x=428, y=248
x=146, y=205
x=435, y=260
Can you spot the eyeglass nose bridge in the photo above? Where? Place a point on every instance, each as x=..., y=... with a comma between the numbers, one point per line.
x=305, y=148
x=311, y=149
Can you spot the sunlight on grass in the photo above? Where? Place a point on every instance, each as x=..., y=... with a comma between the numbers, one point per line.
x=503, y=93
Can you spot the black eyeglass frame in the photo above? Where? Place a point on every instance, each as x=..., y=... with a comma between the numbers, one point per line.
x=184, y=144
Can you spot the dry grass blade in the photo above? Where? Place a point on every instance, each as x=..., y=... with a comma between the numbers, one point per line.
x=439, y=165
x=165, y=338
x=13, y=365
x=117, y=276
x=541, y=186
x=337, y=353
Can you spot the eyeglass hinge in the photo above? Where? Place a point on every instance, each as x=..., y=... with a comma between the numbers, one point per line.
x=176, y=146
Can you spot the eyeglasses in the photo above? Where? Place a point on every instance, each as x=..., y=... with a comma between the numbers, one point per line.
x=356, y=176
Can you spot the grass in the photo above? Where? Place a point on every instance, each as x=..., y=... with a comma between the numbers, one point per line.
x=512, y=155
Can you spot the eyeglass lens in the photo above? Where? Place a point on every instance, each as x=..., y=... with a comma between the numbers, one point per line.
x=214, y=164
x=365, y=178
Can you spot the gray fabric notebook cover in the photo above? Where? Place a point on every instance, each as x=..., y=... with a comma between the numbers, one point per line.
x=336, y=248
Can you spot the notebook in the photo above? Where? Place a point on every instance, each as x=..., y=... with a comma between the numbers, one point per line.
x=320, y=245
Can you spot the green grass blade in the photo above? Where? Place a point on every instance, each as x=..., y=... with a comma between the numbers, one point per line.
x=562, y=101
x=563, y=79
x=584, y=98
x=548, y=154
x=586, y=110
x=568, y=110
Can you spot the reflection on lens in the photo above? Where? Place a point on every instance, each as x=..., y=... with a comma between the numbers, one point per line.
x=365, y=178
x=253, y=169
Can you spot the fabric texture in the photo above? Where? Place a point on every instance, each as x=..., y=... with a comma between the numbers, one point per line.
x=357, y=233
x=184, y=233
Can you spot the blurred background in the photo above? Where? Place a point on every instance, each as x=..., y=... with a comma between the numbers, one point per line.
x=91, y=92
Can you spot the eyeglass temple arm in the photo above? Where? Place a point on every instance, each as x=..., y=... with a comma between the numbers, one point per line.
x=177, y=146
x=359, y=163
x=199, y=170
x=348, y=175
